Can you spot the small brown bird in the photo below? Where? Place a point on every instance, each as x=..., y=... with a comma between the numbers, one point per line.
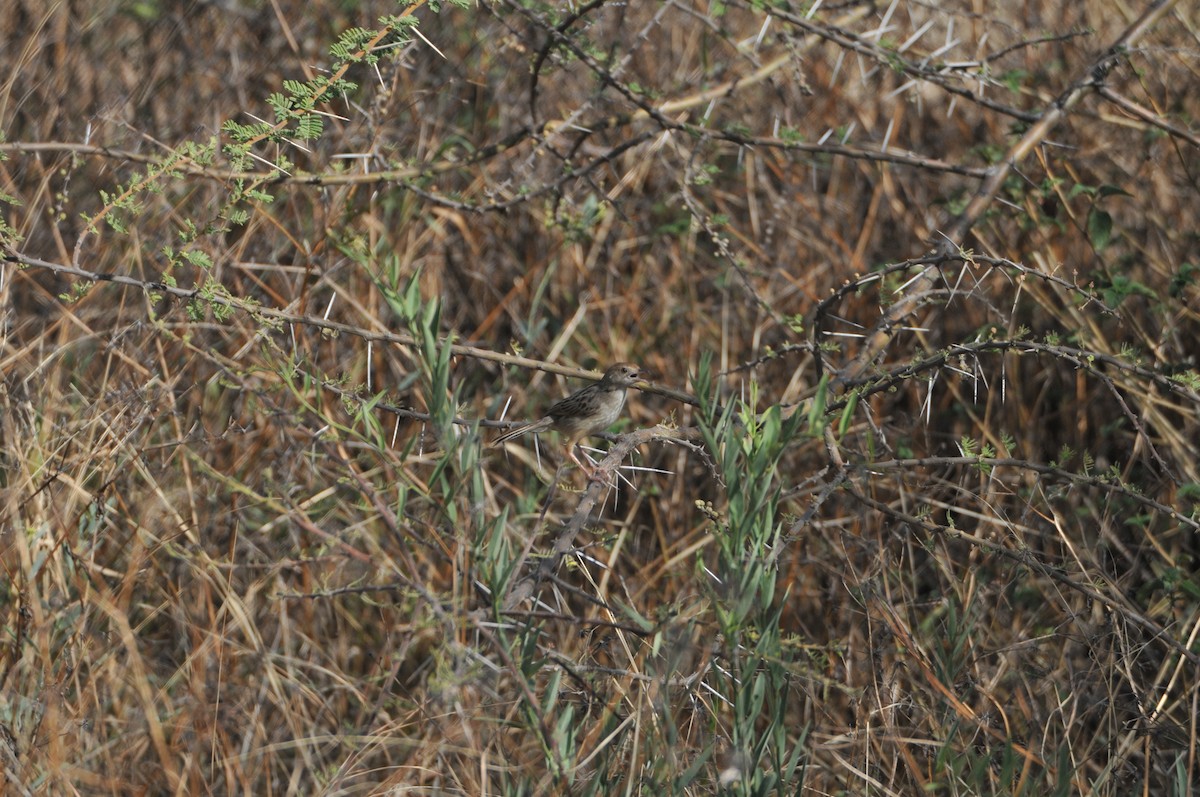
x=588, y=410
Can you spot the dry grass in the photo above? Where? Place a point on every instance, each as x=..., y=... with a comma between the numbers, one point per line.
x=251, y=540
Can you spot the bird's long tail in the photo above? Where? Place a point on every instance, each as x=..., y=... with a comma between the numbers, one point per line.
x=536, y=426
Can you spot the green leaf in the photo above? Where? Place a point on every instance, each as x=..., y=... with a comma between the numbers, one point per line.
x=1099, y=228
x=848, y=413
x=816, y=410
x=1112, y=190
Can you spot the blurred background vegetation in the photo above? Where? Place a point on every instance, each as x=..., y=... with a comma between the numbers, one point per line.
x=911, y=507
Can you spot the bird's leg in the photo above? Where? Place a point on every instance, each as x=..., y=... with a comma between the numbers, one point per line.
x=593, y=472
x=589, y=472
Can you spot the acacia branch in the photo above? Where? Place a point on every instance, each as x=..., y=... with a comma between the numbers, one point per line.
x=885, y=330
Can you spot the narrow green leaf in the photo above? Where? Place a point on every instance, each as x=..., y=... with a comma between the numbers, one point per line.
x=816, y=410
x=848, y=414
